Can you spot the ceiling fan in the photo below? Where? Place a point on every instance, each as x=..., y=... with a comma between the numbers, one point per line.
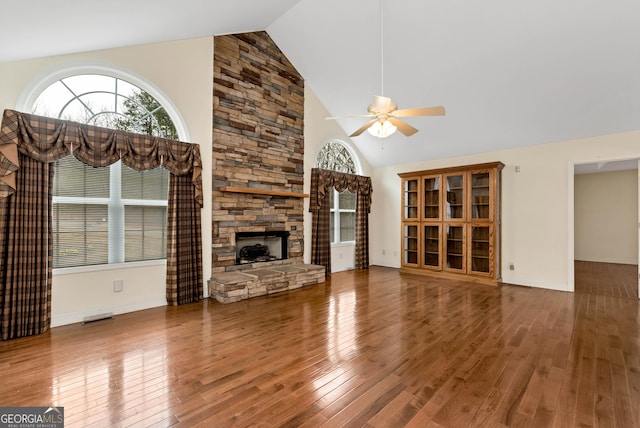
x=384, y=112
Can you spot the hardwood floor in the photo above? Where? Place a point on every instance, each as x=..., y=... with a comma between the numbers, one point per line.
x=373, y=348
x=609, y=279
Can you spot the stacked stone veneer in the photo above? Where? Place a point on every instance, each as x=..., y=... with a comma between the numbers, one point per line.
x=229, y=287
x=258, y=142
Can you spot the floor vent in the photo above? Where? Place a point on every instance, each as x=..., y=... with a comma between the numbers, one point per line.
x=98, y=317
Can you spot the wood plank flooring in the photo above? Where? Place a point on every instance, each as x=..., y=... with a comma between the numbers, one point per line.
x=371, y=348
x=609, y=279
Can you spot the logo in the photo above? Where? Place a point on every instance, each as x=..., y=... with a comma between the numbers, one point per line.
x=31, y=417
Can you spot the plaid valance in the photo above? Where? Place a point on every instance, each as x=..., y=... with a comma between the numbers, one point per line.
x=323, y=181
x=46, y=139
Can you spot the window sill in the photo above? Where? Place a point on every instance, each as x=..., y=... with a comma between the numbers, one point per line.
x=113, y=266
x=344, y=244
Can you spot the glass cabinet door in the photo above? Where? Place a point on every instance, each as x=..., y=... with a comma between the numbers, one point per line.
x=480, y=195
x=455, y=196
x=480, y=249
x=431, y=246
x=431, y=197
x=454, y=242
x=410, y=242
x=410, y=199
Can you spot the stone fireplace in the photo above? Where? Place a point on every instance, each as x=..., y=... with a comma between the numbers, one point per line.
x=258, y=152
x=258, y=149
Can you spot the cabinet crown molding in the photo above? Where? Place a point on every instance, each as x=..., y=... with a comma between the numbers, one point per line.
x=488, y=165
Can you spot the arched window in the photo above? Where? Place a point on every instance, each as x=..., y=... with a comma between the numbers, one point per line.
x=114, y=214
x=335, y=156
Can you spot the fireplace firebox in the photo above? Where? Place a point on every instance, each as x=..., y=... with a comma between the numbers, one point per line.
x=253, y=247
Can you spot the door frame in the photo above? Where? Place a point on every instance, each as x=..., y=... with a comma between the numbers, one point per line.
x=571, y=215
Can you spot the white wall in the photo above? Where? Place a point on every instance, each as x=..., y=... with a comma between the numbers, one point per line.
x=318, y=131
x=606, y=217
x=537, y=212
x=183, y=72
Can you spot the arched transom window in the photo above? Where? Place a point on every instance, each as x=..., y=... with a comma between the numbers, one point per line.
x=334, y=156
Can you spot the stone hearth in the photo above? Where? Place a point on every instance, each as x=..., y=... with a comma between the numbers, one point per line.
x=229, y=287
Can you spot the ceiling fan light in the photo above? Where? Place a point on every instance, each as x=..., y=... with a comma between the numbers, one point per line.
x=382, y=129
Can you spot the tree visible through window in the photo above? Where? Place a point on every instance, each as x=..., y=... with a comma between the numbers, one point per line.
x=113, y=214
x=334, y=156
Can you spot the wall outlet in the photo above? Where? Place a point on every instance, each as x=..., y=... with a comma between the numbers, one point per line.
x=511, y=266
x=118, y=285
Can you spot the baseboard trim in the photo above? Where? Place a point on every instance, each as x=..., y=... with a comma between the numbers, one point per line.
x=78, y=317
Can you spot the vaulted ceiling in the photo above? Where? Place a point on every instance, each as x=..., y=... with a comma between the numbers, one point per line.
x=509, y=72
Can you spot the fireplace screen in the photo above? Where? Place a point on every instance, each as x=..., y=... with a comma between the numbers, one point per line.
x=257, y=252
x=252, y=247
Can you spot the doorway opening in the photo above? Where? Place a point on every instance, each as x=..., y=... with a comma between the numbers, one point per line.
x=605, y=226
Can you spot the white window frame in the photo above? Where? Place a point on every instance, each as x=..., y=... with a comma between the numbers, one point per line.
x=335, y=211
x=116, y=219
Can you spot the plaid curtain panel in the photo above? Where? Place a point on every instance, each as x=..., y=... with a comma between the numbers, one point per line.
x=184, y=243
x=42, y=140
x=320, y=222
x=25, y=252
x=363, y=208
x=322, y=182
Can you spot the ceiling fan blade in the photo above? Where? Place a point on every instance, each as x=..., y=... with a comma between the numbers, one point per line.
x=363, y=128
x=422, y=111
x=403, y=127
x=346, y=117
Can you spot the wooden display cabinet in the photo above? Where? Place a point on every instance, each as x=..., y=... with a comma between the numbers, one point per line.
x=451, y=222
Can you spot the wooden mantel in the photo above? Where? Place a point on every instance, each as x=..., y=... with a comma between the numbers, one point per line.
x=262, y=192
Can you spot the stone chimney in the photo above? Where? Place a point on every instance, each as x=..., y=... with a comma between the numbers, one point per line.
x=258, y=146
